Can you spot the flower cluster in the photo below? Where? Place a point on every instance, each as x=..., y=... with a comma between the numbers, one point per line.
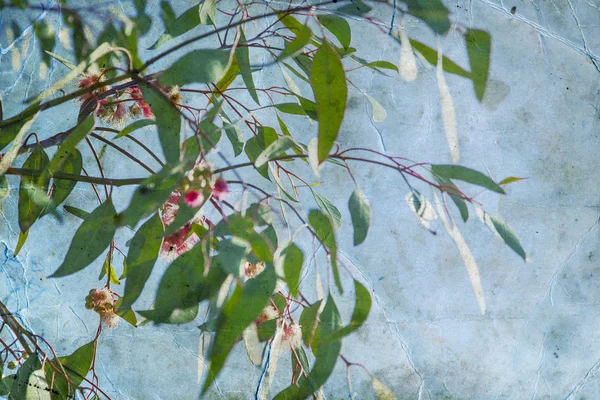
x=103, y=302
x=181, y=240
x=292, y=335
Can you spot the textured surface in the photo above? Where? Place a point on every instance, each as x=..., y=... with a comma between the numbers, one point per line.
x=425, y=337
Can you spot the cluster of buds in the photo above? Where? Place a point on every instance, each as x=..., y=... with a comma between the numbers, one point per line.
x=199, y=184
x=103, y=302
x=181, y=240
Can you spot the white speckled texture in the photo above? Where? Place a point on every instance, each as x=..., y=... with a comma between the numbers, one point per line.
x=425, y=337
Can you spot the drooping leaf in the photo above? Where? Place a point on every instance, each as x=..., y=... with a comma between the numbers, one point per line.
x=75, y=366
x=257, y=144
x=4, y=188
x=186, y=21
x=432, y=12
x=508, y=235
x=32, y=186
x=338, y=26
x=79, y=213
x=208, y=12
x=362, y=307
x=478, y=48
x=242, y=308
x=355, y=8
x=14, y=133
x=430, y=55
x=109, y=269
x=291, y=49
x=200, y=66
x=510, y=179
x=450, y=188
x=167, y=13
x=21, y=241
x=134, y=126
x=328, y=81
x=382, y=391
x=326, y=356
x=143, y=252
x=360, y=212
x=324, y=230
x=296, y=109
x=63, y=187
x=242, y=55
x=20, y=388
x=308, y=321
x=46, y=37
x=467, y=175
x=168, y=121
x=329, y=209
x=67, y=147
x=379, y=113
x=292, y=260
x=274, y=150
x=234, y=135
x=62, y=60
x=91, y=239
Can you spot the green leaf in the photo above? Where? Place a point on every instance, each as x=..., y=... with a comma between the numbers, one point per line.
x=324, y=230
x=91, y=239
x=326, y=356
x=134, y=126
x=242, y=54
x=199, y=66
x=430, y=55
x=79, y=213
x=297, y=109
x=46, y=37
x=242, y=308
x=308, y=322
x=141, y=257
x=295, y=46
x=362, y=307
x=185, y=22
x=21, y=241
x=127, y=314
x=257, y=144
x=108, y=269
x=21, y=389
x=467, y=175
x=14, y=133
x=208, y=12
x=508, y=235
x=233, y=134
x=29, y=208
x=356, y=8
x=452, y=190
x=432, y=12
x=76, y=367
x=274, y=150
x=167, y=13
x=510, y=179
x=63, y=187
x=168, y=121
x=67, y=147
x=62, y=60
x=329, y=86
x=184, y=285
x=4, y=187
x=478, y=48
x=292, y=260
x=360, y=212
x=328, y=209
x=338, y=26
x=303, y=360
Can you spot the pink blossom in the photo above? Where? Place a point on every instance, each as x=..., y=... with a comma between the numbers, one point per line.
x=193, y=198
x=170, y=208
x=176, y=243
x=220, y=189
x=147, y=111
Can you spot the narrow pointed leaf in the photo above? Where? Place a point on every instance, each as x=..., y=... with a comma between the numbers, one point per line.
x=134, y=126
x=292, y=260
x=186, y=21
x=329, y=209
x=478, y=48
x=324, y=230
x=91, y=239
x=328, y=81
x=76, y=367
x=362, y=307
x=467, y=175
x=338, y=26
x=274, y=150
x=29, y=208
x=432, y=12
x=291, y=49
x=430, y=55
x=199, y=66
x=21, y=241
x=63, y=187
x=508, y=235
x=242, y=54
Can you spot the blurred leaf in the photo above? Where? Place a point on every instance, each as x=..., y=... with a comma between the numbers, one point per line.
x=430, y=55
x=126, y=314
x=298, y=109
x=76, y=367
x=379, y=113
x=508, y=235
x=356, y=8
x=292, y=260
x=274, y=150
x=208, y=12
x=67, y=147
x=362, y=307
x=91, y=239
x=382, y=64
x=21, y=241
x=242, y=308
x=14, y=133
x=20, y=388
x=167, y=13
x=329, y=86
x=467, y=175
x=168, y=121
x=432, y=12
x=326, y=356
x=62, y=60
x=382, y=391
x=4, y=187
x=77, y=212
x=199, y=66
x=328, y=209
x=360, y=212
x=303, y=360
x=292, y=48
x=29, y=209
x=308, y=321
x=338, y=26
x=46, y=37
x=324, y=230
x=478, y=47
x=510, y=179
x=455, y=195
x=257, y=144
x=234, y=135
x=184, y=285
x=63, y=187
x=141, y=257
x=134, y=126
x=242, y=54
x=185, y=22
